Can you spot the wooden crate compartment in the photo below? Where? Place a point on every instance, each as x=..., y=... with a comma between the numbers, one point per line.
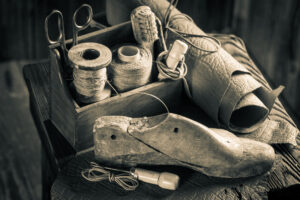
x=76, y=121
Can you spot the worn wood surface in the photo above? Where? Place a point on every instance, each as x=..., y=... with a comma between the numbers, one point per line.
x=20, y=147
x=171, y=139
x=62, y=106
x=286, y=170
x=52, y=143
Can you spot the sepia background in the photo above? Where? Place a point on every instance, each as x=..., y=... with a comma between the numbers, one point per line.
x=270, y=29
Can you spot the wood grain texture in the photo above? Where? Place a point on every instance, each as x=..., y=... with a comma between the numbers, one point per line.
x=38, y=82
x=110, y=36
x=121, y=140
x=62, y=107
x=20, y=146
x=193, y=186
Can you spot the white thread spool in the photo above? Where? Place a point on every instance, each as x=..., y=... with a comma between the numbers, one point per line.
x=144, y=26
x=131, y=67
x=89, y=61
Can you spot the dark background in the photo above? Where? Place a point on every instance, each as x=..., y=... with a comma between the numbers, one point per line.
x=270, y=29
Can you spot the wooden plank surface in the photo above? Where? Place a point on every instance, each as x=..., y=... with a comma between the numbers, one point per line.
x=53, y=141
x=62, y=109
x=20, y=146
x=286, y=172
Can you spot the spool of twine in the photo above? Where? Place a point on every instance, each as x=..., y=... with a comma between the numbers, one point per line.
x=131, y=67
x=89, y=61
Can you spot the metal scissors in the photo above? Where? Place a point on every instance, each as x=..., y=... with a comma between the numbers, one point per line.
x=61, y=40
x=61, y=30
x=89, y=22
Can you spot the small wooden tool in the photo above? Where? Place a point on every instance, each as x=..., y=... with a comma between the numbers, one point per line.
x=164, y=180
x=128, y=180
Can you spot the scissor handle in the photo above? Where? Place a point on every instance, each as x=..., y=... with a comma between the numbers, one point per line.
x=77, y=27
x=61, y=29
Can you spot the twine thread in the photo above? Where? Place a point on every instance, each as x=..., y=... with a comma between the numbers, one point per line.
x=178, y=73
x=129, y=75
x=89, y=83
x=98, y=173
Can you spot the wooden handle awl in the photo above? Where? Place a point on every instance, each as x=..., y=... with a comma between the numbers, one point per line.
x=164, y=180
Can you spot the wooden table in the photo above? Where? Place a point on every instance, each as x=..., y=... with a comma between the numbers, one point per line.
x=194, y=185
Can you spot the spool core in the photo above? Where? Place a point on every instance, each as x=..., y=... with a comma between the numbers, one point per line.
x=129, y=53
x=90, y=54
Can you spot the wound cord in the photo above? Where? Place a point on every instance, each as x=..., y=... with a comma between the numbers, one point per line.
x=130, y=75
x=157, y=98
x=98, y=173
x=180, y=71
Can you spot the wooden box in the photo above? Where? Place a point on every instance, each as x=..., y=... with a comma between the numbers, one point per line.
x=76, y=121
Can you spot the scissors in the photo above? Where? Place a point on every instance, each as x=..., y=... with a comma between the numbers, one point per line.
x=89, y=22
x=61, y=40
